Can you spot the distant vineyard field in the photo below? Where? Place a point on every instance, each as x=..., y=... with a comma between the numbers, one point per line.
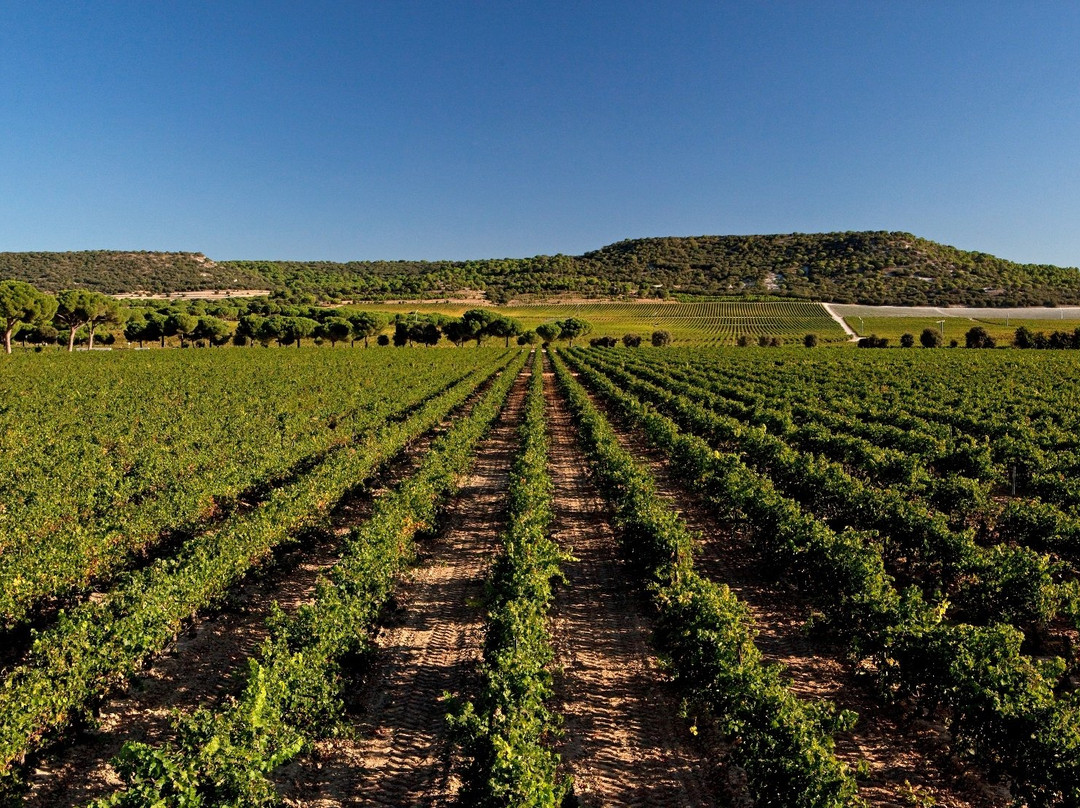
x=719, y=323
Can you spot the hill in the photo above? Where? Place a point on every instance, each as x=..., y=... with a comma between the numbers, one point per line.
x=116, y=273
x=857, y=267
x=874, y=268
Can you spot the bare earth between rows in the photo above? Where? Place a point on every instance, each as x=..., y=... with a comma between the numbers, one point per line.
x=625, y=744
x=906, y=758
x=431, y=645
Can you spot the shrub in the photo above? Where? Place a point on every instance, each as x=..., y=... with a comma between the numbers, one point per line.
x=930, y=338
x=978, y=337
x=874, y=341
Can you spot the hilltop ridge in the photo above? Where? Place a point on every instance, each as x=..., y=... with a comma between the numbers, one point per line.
x=874, y=267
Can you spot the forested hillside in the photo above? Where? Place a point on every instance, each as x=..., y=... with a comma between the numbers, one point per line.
x=114, y=272
x=868, y=267
x=864, y=267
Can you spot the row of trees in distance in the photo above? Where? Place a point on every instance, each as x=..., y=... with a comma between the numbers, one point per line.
x=476, y=324
x=38, y=318
x=659, y=339
x=979, y=337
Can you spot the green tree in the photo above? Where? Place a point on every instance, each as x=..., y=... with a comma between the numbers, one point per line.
x=271, y=328
x=106, y=311
x=477, y=323
x=22, y=303
x=135, y=328
x=661, y=338
x=571, y=328
x=505, y=327
x=430, y=334
x=336, y=329
x=41, y=334
x=810, y=340
x=76, y=308
x=457, y=332
x=907, y=340
x=184, y=326
x=214, y=330
x=297, y=328
x=157, y=324
x=249, y=328
x=367, y=324
x=549, y=332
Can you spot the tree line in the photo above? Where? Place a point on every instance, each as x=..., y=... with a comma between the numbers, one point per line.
x=979, y=337
x=78, y=315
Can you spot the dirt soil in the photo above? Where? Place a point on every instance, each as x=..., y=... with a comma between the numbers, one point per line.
x=207, y=662
x=908, y=759
x=624, y=741
x=431, y=645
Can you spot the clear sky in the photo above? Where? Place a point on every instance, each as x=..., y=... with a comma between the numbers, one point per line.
x=451, y=129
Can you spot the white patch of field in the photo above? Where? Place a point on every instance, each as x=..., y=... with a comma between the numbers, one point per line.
x=970, y=313
x=205, y=294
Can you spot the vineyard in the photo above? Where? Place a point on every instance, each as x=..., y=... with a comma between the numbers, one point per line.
x=953, y=328
x=720, y=323
x=577, y=576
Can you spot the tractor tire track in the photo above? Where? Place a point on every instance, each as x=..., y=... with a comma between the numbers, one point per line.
x=624, y=744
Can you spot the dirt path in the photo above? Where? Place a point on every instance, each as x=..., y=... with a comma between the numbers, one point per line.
x=430, y=646
x=205, y=663
x=907, y=759
x=624, y=744
x=852, y=336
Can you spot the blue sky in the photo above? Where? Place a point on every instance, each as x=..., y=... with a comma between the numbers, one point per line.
x=365, y=130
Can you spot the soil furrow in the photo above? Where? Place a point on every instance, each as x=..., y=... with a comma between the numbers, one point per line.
x=624, y=742
x=208, y=661
x=429, y=646
x=908, y=759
